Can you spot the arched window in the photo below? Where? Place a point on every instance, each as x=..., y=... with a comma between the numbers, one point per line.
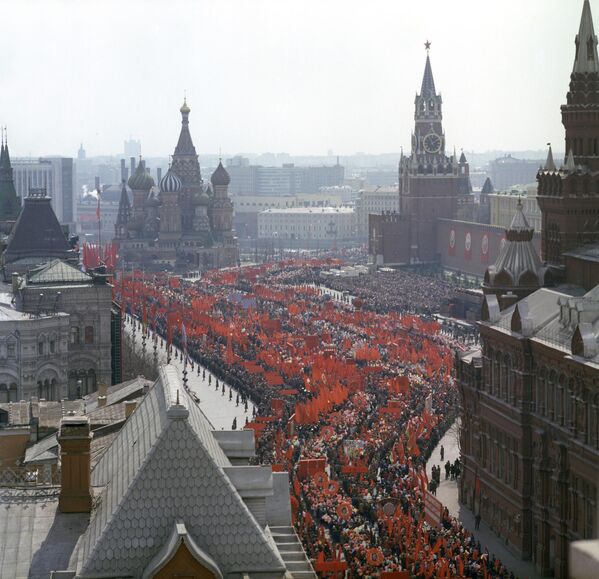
x=13, y=392
x=3, y=393
x=541, y=384
x=89, y=334
x=40, y=347
x=75, y=335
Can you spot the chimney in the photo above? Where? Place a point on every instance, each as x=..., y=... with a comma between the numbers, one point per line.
x=15, y=282
x=102, y=389
x=74, y=438
x=158, y=175
x=101, y=401
x=123, y=170
x=97, y=184
x=132, y=163
x=130, y=406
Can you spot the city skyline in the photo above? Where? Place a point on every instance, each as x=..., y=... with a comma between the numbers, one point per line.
x=271, y=77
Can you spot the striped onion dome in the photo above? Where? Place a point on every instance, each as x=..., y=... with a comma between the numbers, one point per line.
x=170, y=183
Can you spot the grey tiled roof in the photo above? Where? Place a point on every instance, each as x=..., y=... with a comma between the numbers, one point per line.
x=166, y=465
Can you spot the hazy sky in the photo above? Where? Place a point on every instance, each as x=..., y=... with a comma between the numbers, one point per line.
x=301, y=76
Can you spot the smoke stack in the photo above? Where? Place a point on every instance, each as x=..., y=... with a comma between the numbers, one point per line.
x=74, y=438
x=123, y=170
x=97, y=180
x=158, y=175
x=132, y=164
x=130, y=406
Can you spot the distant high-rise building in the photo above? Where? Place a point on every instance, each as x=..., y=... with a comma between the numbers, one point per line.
x=286, y=180
x=55, y=175
x=132, y=148
x=81, y=153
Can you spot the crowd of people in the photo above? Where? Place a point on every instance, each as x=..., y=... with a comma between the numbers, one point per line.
x=351, y=402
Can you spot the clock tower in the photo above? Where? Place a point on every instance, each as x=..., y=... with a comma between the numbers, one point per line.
x=432, y=185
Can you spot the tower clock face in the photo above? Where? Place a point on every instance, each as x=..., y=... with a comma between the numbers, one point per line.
x=432, y=143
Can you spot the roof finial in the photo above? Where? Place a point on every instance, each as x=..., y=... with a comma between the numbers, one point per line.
x=427, y=45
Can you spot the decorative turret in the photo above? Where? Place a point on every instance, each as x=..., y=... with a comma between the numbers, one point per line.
x=221, y=213
x=220, y=177
x=518, y=270
x=124, y=216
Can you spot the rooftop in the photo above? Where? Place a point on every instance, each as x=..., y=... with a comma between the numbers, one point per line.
x=309, y=210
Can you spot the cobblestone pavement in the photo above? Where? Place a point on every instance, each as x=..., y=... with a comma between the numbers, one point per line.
x=447, y=493
x=216, y=406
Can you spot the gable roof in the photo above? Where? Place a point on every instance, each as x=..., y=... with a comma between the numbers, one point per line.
x=166, y=465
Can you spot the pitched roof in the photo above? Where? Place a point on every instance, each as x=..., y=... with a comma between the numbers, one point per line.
x=586, y=59
x=165, y=464
x=427, y=90
x=37, y=232
x=57, y=272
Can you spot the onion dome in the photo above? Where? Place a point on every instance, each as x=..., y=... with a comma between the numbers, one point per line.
x=202, y=199
x=170, y=183
x=142, y=180
x=220, y=177
x=184, y=108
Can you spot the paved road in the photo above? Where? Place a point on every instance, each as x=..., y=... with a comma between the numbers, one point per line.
x=447, y=493
x=216, y=406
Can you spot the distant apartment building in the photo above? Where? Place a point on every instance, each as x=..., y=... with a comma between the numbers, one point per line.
x=503, y=205
x=286, y=180
x=247, y=207
x=374, y=201
x=508, y=171
x=308, y=225
x=56, y=175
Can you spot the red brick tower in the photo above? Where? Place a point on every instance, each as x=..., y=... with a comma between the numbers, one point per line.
x=569, y=197
x=431, y=184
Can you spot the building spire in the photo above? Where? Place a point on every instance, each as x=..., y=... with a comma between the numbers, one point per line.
x=586, y=43
x=428, y=82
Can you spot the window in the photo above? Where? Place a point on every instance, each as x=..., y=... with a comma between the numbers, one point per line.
x=11, y=350
x=52, y=346
x=89, y=334
x=75, y=335
x=40, y=347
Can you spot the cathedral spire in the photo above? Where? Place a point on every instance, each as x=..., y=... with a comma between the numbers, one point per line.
x=185, y=144
x=586, y=43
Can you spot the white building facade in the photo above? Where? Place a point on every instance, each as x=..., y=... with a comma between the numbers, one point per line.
x=374, y=201
x=308, y=223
